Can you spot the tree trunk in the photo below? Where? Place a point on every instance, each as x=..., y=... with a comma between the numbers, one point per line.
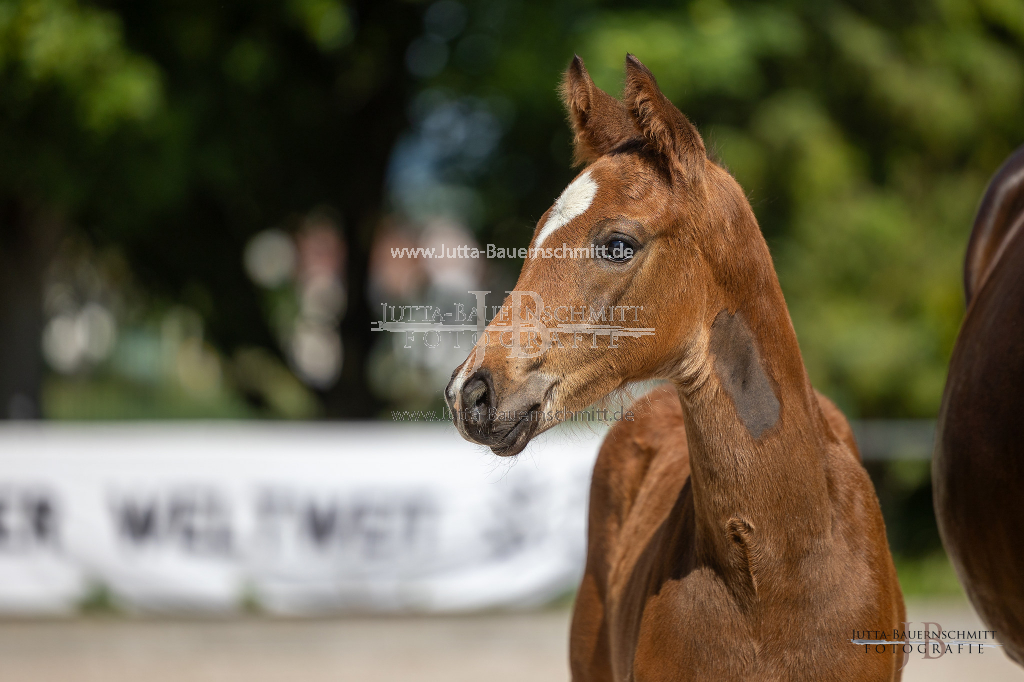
x=27, y=240
x=380, y=119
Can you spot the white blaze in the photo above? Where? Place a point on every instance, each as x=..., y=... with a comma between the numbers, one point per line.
x=574, y=200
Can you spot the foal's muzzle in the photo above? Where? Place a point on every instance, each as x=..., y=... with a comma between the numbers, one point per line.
x=476, y=414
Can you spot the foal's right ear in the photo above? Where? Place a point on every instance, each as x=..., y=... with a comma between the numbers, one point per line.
x=599, y=121
x=667, y=131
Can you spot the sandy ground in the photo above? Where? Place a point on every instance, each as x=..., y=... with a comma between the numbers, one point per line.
x=495, y=647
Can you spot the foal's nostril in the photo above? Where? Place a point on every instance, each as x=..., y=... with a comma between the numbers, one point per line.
x=476, y=393
x=477, y=396
x=474, y=400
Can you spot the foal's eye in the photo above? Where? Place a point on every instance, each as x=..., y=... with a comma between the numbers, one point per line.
x=618, y=251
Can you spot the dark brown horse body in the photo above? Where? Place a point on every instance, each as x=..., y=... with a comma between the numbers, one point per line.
x=734, y=534
x=978, y=469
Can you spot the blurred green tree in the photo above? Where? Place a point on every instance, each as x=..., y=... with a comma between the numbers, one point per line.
x=67, y=83
x=863, y=133
x=176, y=131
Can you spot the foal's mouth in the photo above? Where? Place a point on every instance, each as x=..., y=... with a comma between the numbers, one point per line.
x=519, y=435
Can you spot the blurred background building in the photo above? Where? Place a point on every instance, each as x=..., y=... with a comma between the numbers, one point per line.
x=199, y=202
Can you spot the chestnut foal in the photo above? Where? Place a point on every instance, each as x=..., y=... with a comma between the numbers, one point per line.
x=733, y=533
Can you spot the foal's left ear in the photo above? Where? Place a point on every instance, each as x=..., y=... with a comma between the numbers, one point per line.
x=667, y=131
x=599, y=121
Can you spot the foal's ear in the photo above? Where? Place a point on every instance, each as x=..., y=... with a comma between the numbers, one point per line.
x=666, y=130
x=599, y=121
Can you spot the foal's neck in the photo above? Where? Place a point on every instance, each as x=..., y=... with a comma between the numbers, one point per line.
x=756, y=433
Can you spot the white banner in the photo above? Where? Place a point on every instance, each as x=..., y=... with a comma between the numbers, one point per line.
x=295, y=518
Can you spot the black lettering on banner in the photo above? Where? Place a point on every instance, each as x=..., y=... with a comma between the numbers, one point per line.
x=195, y=520
x=29, y=519
x=137, y=520
x=518, y=518
x=384, y=526
x=321, y=522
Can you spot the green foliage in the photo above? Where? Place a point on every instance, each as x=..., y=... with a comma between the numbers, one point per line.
x=82, y=50
x=929, y=576
x=170, y=134
x=703, y=49
x=99, y=601
x=863, y=133
x=106, y=399
x=326, y=22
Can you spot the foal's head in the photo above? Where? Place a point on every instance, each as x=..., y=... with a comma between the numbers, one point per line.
x=674, y=242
